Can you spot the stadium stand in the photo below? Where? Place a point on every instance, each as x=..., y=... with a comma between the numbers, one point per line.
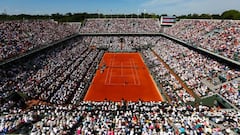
x=120, y=25
x=18, y=37
x=168, y=82
x=193, y=67
x=60, y=74
x=59, y=77
x=122, y=118
x=115, y=43
x=219, y=36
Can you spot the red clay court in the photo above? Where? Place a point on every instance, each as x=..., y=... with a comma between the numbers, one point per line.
x=123, y=76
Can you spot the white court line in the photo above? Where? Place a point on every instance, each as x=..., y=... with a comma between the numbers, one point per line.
x=134, y=78
x=110, y=77
x=138, y=80
x=136, y=73
x=106, y=79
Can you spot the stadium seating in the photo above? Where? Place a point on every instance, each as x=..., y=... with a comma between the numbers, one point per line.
x=219, y=36
x=121, y=25
x=17, y=37
x=193, y=67
x=113, y=43
x=59, y=78
x=122, y=118
x=168, y=82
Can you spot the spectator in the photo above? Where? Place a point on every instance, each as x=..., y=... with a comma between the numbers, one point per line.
x=17, y=37
x=219, y=36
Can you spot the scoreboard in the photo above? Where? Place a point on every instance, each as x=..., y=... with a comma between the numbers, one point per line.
x=168, y=20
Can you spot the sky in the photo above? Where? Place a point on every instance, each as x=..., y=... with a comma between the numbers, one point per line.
x=170, y=7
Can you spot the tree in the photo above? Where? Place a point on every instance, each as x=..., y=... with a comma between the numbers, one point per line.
x=205, y=16
x=231, y=14
x=216, y=16
x=195, y=16
x=80, y=17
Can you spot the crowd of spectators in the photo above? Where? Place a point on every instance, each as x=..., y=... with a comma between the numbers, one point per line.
x=17, y=37
x=62, y=75
x=167, y=81
x=231, y=92
x=121, y=25
x=141, y=118
x=192, y=67
x=218, y=36
x=57, y=76
x=116, y=43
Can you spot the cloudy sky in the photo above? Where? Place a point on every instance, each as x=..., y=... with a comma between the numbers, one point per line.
x=170, y=7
